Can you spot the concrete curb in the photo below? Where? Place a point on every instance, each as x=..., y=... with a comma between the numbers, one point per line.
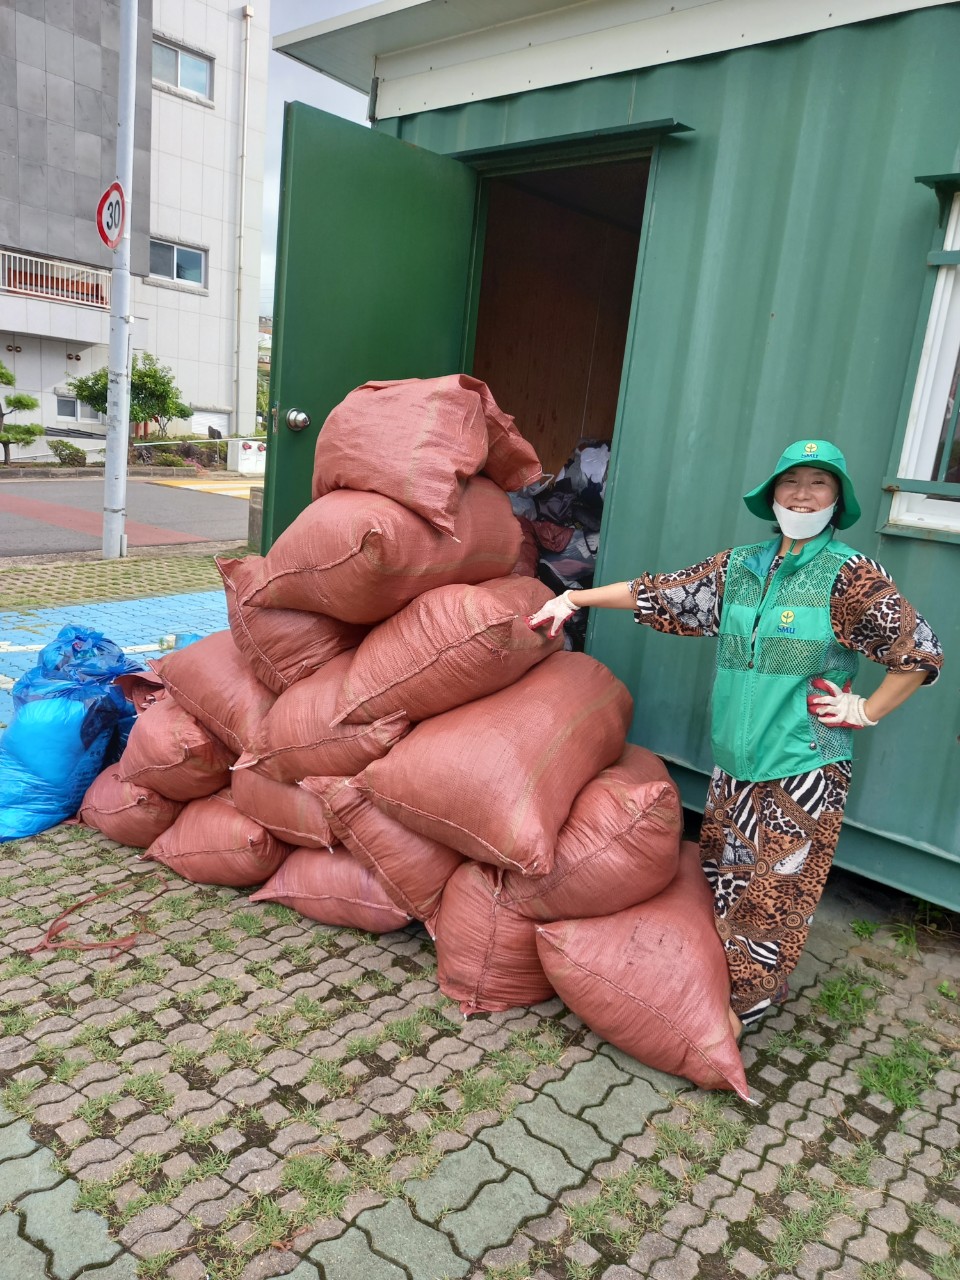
x=96, y=473
x=178, y=550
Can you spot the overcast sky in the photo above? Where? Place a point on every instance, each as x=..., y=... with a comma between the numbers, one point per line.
x=291, y=81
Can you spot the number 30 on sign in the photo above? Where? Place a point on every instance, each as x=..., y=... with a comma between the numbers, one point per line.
x=111, y=215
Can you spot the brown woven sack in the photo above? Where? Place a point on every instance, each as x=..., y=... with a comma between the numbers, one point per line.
x=486, y=954
x=361, y=557
x=653, y=980
x=171, y=752
x=333, y=889
x=529, y=558
x=512, y=462
x=293, y=815
x=495, y=779
x=214, y=682
x=297, y=738
x=412, y=868
x=281, y=645
x=449, y=646
x=212, y=843
x=132, y=815
x=416, y=441
x=618, y=847
x=142, y=688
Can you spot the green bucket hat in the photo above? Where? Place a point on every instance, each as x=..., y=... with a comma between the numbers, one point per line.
x=807, y=453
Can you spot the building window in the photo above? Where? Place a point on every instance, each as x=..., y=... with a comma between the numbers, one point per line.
x=70, y=407
x=190, y=71
x=176, y=262
x=927, y=481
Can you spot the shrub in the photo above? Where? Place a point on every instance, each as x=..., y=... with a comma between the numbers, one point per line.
x=207, y=453
x=163, y=458
x=67, y=454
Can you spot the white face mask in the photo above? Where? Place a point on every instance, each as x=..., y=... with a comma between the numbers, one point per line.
x=802, y=524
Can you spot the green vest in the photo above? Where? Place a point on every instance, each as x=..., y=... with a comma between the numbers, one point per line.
x=771, y=645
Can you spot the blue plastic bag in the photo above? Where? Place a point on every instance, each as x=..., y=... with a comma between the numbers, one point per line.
x=69, y=719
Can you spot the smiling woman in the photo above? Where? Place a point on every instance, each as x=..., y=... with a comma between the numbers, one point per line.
x=804, y=501
x=790, y=615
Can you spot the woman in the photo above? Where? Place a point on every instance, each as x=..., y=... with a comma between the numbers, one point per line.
x=790, y=616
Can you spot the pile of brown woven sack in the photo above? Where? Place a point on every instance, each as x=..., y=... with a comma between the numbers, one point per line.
x=380, y=738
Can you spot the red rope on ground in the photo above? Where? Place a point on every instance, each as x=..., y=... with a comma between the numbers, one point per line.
x=52, y=940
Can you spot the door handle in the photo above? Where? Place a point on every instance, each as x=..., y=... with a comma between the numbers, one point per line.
x=297, y=420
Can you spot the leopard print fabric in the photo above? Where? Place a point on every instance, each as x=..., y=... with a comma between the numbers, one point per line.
x=685, y=603
x=870, y=615
x=867, y=612
x=766, y=849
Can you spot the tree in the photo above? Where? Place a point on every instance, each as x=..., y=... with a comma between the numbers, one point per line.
x=263, y=394
x=154, y=396
x=16, y=432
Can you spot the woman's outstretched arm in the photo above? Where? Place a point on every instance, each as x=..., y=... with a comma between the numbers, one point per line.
x=617, y=595
x=684, y=603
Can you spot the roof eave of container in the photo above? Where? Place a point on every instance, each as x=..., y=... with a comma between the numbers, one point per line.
x=428, y=54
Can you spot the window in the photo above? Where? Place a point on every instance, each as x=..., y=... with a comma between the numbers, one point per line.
x=176, y=262
x=190, y=71
x=927, y=481
x=70, y=407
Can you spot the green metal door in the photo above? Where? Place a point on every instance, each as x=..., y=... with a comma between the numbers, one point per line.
x=373, y=271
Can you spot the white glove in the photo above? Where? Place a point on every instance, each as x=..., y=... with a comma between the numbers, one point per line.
x=840, y=709
x=556, y=612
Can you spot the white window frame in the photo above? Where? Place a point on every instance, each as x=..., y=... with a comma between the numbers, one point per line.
x=175, y=279
x=81, y=412
x=931, y=401
x=192, y=53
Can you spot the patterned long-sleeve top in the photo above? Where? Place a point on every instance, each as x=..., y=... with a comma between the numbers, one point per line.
x=867, y=612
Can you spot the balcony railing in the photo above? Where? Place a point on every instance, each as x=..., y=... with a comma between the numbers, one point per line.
x=54, y=281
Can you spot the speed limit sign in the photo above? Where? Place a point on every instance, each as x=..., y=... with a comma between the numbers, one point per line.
x=111, y=215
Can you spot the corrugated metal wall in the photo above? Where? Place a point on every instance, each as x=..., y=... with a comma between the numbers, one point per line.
x=780, y=279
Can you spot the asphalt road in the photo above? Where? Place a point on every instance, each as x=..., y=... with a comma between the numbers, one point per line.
x=42, y=517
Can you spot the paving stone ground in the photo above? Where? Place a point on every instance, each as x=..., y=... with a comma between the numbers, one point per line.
x=244, y=1094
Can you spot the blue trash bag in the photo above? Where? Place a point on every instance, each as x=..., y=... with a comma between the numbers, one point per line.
x=69, y=721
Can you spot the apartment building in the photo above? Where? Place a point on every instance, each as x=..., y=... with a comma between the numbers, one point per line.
x=196, y=201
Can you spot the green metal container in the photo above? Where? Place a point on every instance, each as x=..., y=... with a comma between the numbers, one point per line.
x=779, y=284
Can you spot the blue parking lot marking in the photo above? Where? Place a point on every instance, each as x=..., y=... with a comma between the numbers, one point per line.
x=137, y=626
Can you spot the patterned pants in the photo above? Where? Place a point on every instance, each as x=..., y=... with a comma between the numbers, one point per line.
x=766, y=848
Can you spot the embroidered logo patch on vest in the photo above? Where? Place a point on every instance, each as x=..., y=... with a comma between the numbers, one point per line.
x=786, y=618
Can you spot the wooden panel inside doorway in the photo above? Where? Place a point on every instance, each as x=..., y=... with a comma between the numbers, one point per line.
x=552, y=319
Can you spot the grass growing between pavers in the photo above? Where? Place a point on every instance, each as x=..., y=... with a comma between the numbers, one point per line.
x=321, y=1182
x=806, y=1223
x=310, y=1022
x=46, y=586
x=687, y=1148
x=849, y=996
x=819, y=1187
x=903, y=1073
x=947, y=1266
x=158, y=985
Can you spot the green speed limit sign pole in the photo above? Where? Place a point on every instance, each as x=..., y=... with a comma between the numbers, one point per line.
x=113, y=225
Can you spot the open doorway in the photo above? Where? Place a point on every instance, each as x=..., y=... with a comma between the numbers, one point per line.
x=559, y=260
